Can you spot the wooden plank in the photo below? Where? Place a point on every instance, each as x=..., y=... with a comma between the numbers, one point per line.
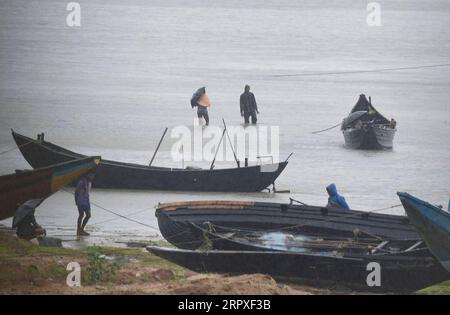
x=206, y=204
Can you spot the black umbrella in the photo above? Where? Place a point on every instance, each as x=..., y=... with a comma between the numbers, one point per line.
x=196, y=96
x=25, y=209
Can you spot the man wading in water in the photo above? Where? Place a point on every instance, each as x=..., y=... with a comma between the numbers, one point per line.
x=201, y=100
x=83, y=203
x=248, y=105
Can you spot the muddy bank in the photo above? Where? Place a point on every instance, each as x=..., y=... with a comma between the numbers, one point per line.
x=30, y=269
x=26, y=268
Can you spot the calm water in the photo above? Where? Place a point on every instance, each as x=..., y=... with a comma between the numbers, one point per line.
x=110, y=87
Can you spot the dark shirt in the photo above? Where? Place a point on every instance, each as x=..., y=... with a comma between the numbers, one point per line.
x=248, y=103
x=82, y=193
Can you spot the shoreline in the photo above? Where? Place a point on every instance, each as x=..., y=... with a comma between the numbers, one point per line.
x=30, y=269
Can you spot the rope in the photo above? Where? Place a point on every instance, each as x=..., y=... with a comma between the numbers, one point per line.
x=360, y=71
x=117, y=214
x=329, y=128
x=14, y=148
x=372, y=211
x=128, y=215
x=354, y=214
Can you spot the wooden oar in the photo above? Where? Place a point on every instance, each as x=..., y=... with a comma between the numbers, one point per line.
x=218, y=147
x=231, y=143
x=157, y=148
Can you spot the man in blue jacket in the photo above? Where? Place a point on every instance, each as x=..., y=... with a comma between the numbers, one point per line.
x=83, y=203
x=334, y=199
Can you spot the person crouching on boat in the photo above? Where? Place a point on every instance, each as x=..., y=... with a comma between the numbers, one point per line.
x=392, y=123
x=83, y=203
x=334, y=199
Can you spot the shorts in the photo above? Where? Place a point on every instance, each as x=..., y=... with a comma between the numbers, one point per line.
x=84, y=209
x=202, y=112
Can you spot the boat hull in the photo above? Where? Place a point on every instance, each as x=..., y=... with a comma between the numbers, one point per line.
x=369, y=138
x=118, y=175
x=15, y=189
x=398, y=273
x=432, y=223
x=175, y=221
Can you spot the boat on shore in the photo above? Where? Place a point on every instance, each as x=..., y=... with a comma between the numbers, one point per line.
x=119, y=175
x=220, y=238
x=15, y=189
x=433, y=223
x=175, y=221
x=365, y=128
x=401, y=272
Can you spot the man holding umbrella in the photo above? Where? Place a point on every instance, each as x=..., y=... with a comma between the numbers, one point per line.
x=25, y=222
x=201, y=100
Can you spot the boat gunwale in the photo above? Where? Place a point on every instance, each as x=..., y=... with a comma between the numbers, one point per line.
x=232, y=252
x=409, y=197
x=356, y=258
x=371, y=126
x=371, y=224
x=53, y=167
x=204, y=204
x=201, y=204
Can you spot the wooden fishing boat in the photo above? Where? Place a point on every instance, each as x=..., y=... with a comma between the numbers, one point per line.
x=175, y=220
x=400, y=272
x=433, y=223
x=112, y=174
x=15, y=189
x=220, y=238
x=365, y=128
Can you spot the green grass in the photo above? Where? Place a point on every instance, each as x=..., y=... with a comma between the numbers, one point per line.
x=11, y=247
x=441, y=288
x=25, y=262
x=145, y=258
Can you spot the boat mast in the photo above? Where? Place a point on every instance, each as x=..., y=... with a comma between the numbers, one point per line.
x=217, y=150
x=157, y=148
x=231, y=144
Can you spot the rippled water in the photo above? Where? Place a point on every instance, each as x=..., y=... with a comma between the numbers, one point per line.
x=110, y=87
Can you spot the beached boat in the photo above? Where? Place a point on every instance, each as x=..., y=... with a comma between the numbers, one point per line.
x=399, y=272
x=220, y=238
x=15, y=189
x=433, y=223
x=365, y=128
x=112, y=174
x=175, y=221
